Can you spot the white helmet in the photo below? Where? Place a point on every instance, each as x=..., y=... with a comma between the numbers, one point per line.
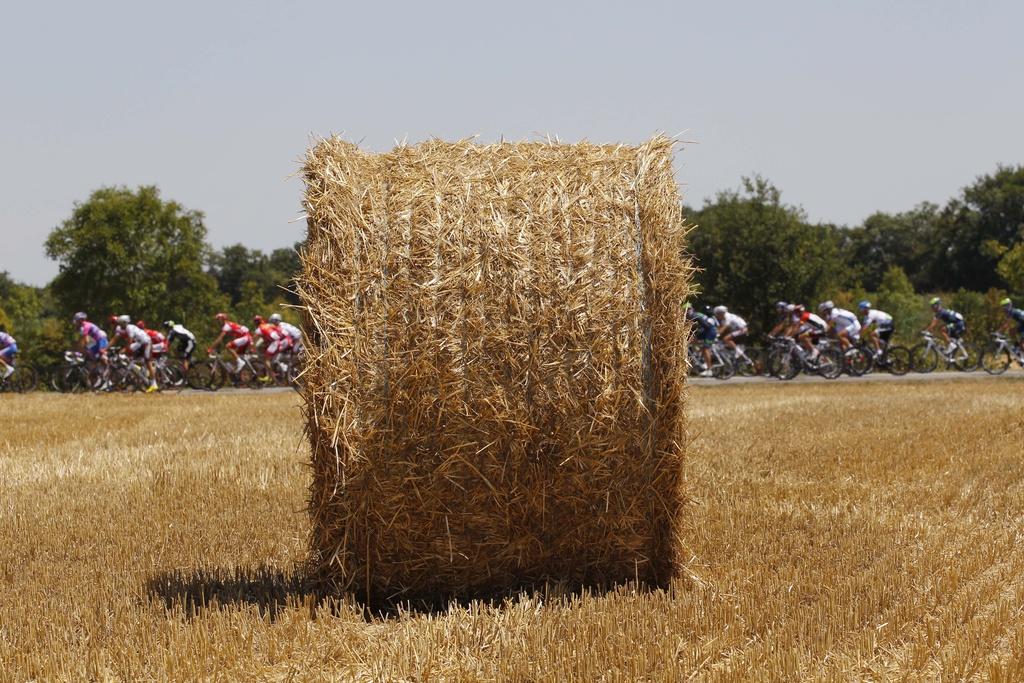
x=123, y=319
x=826, y=306
x=721, y=310
x=275, y=318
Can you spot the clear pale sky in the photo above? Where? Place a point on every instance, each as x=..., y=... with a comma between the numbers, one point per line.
x=849, y=107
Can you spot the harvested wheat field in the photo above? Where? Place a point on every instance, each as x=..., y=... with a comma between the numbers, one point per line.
x=839, y=532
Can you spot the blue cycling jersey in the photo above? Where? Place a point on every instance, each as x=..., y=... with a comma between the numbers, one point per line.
x=707, y=327
x=1017, y=314
x=950, y=317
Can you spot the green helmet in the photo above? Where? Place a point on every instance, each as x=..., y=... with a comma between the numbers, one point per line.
x=687, y=306
x=1006, y=302
x=935, y=301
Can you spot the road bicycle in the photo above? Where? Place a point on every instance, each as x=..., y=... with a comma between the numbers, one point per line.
x=78, y=373
x=788, y=358
x=721, y=365
x=214, y=372
x=23, y=379
x=926, y=356
x=892, y=358
x=999, y=354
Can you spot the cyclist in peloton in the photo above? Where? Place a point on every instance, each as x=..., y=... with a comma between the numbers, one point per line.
x=139, y=345
x=8, y=349
x=785, y=318
x=806, y=328
x=185, y=340
x=952, y=323
x=294, y=333
x=876, y=326
x=706, y=330
x=841, y=321
x=1013, y=315
x=238, y=336
x=276, y=342
x=156, y=338
x=730, y=328
x=94, y=342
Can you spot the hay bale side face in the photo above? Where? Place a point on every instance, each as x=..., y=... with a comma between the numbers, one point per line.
x=496, y=366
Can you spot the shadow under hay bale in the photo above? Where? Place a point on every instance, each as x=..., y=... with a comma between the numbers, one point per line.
x=269, y=589
x=494, y=394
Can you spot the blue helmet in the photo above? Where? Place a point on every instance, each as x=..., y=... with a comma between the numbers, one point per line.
x=864, y=304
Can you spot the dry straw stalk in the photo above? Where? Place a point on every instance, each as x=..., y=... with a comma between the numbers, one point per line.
x=496, y=379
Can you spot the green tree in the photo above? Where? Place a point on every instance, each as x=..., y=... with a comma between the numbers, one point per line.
x=754, y=250
x=989, y=211
x=902, y=239
x=31, y=316
x=131, y=252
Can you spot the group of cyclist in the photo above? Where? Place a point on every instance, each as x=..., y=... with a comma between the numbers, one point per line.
x=278, y=337
x=872, y=325
x=146, y=345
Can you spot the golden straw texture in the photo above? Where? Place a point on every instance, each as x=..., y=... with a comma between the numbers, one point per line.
x=495, y=386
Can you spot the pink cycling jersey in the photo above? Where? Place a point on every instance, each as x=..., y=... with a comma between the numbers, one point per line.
x=92, y=331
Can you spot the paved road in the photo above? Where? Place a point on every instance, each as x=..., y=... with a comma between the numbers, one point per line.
x=1010, y=375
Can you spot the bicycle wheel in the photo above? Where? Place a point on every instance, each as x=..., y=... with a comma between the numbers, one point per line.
x=897, y=360
x=723, y=370
x=751, y=364
x=204, y=376
x=967, y=358
x=251, y=373
x=789, y=365
x=24, y=379
x=72, y=380
x=995, y=360
x=924, y=358
x=856, y=362
x=172, y=376
x=830, y=363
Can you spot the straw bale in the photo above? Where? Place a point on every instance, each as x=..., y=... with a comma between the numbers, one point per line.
x=495, y=387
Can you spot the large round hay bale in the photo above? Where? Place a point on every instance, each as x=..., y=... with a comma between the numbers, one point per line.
x=496, y=369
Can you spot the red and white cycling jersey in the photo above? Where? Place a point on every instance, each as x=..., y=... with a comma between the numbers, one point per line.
x=234, y=330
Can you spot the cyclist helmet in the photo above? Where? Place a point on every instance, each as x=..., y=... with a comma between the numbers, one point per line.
x=258, y=319
x=141, y=324
x=168, y=324
x=113, y=318
x=936, y=301
x=720, y=310
x=825, y=306
x=793, y=308
x=781, y=305
x=123, y=320
x=1006, y=303
x=275, y=318
x=221, y=316
x=864, y=305
x=80, y=316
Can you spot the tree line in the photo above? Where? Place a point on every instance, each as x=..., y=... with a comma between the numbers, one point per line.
x=129, y=250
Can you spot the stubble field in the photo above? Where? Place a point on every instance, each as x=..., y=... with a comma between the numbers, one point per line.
x=837, y=532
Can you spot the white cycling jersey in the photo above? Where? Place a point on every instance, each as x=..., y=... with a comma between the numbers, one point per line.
x=289, y=329
x=844, y=320
x=732, y=323
x=879, y=319
x=136, y=335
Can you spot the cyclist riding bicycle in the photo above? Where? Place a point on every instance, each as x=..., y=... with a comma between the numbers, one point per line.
x=841, y=321
x=238, y=337
x=807, y=328
x=156, y=337
x=1013, y=315
x=953, y=325
x=276, y=342
x=294, y=333
x=876, y=326
x=785, y=321
x=8, y=349
x=706, y=330
x=186, y=341
x=93, y=339
x=140, y=345
x=730, y=328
